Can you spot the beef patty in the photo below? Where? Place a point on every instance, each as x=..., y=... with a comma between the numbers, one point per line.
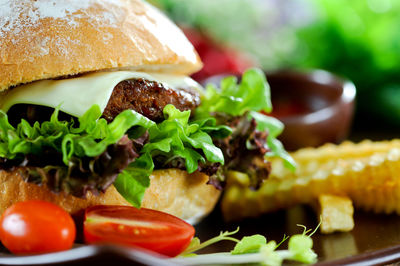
x=149, y=99
x=145, y=97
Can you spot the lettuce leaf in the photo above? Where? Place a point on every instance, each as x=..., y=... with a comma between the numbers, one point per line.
x=85, y=174
x=252, y=94
x=134, y=180
x=91, y=138
x=274, y=128
x=172, y=138
x=84, y=142
x=177, y=137
x=249, y=97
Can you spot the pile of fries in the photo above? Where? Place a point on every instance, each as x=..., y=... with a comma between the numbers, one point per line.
x=332, y=177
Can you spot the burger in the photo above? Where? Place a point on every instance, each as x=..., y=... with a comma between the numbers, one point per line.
x=97, y=107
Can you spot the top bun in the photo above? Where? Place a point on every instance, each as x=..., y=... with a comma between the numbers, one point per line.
x=53, y=38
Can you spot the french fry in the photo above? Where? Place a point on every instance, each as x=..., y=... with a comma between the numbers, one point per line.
x=336, y=213
x=368, y=173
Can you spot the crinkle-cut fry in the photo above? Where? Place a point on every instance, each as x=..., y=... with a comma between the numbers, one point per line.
x=368, y=173
x=347, y=149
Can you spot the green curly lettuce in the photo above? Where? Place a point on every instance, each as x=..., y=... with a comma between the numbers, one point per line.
x=174, y=137
x=274, y=128
x=90, y=139
x=251, y=94
x=249, y=97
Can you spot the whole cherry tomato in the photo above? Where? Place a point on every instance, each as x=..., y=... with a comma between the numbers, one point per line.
x=143, y=228
x=33, y=227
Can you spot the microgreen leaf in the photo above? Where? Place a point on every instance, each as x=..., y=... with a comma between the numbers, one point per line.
x=249, y=244
x=270, y=256
x=301, y=248
x=251, y=249
x=196, y=245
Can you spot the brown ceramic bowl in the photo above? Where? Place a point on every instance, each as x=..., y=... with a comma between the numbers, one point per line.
x=316, y=107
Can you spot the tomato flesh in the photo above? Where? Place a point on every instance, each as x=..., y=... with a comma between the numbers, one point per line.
x=143, y=228
x=34, y=227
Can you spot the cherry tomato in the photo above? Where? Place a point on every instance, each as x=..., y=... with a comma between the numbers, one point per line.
x=33, y=227
x=143, y=228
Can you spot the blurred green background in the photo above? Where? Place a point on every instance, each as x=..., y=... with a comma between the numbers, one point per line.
x=357, y=39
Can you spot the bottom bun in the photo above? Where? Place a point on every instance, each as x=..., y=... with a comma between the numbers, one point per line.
x=172, y=190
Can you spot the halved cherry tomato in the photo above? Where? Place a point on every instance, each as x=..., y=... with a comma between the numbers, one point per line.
x=35, y=226
x=143, y=228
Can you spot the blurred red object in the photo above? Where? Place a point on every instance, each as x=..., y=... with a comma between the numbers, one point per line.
x=217, y=59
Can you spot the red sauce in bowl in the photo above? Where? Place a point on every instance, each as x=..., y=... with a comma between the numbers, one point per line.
x=286, y=107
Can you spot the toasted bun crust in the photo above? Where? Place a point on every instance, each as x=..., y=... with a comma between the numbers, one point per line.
x=173, y=191
x=48, y=39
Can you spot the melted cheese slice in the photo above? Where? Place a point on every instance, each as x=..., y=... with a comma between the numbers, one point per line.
x=76, y=95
